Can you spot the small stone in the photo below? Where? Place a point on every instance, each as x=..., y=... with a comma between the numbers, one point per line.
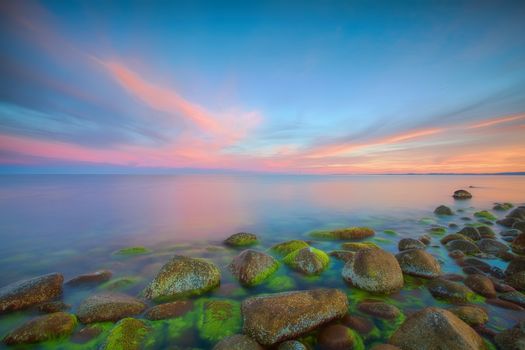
x=345, y=233
x=131, y=251
x=486, y=232
x=443, y=210
x=168, y=310
x=292, y=345
x=426, y=239
x=108, y=307
x=481, y=285
x=483, y=266
x=503, y=206
x=90, y=278
x=379, y=309
x=237, y=342
x=456, y=254
x=410, y=243
x=472, y=270
x=241, y=239
x=449, y=290
x=510, y=233
x=455, y=236
x=336, y=337
x=517, y=280
x=356, y=246
x=504, y=304
x=485, y=215
x=52, y=326
x=471, y=314
x=462, y=194
x=453, y=277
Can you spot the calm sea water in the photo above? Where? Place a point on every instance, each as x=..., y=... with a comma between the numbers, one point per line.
x=72, y=223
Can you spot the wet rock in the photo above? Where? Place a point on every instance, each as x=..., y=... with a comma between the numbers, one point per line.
x=375, y=271
x=419, y=263
x=504, y=304
x=437, y=229
x=483, y=266
x=464, y=246
x=310, y=261
x=518, y=244
x=485, y=214
x=491, y=246
x=481, y=285
x=443, y=210
x=518, y=213
x=497, y=272
x=251, y=267
x=218, y=318
x=517, y=280
x=426, y=239
x=128, y=334
x=453, y=237
x=512, y=338
x=241, y=239
x=456, y=254
x=287, y=247
x=356, y=246
x=336, y=337
x=52, y=326
x=360, y=324
x=299, y=312
x=435, y=328
x=514, y=297
x=507, y=222
x=237, y=342
x=486, y=232
x=90, y=278
x=379, y=309
x=510, y=233
x=168, y=310
x=472, y=270
x=520, y=226
x=470, y=232
x=292, y=345
x=453, y=277
x=26, y=293
x=53, y=306
x=345, y=233
x=86, y=334
x=506, y=256
x=410, y=243
x=501, y=287
x=108, y=307
x=343, y=255
x=503, y=206
x=449, y=290
x=471, y=314
x=462, y=194
x=183, y=276
x=516, y=265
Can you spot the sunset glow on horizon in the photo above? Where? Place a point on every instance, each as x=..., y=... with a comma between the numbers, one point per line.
x=351, y=88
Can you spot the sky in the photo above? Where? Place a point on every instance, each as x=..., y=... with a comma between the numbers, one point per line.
x=301, y=87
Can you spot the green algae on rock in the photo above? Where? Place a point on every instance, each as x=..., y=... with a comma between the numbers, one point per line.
x=356, y=246
x=280, y=283
x=241, y=239
x=287, y=247
x=463, y=245
x=270, y=319
x=410, y=243
x=130, y=251
x=503, y=206
x=251, y=267
x=344, y=233
x=435, y=328
x=120, y=283
x=128, y=334
x=417, y=262
x=108, y=307
x=374, y=270
x=52, y=326
x=485, y=215
x=183, y=276
x=237, y=342
x=310, y=261
x=218, y=318
x=23, y=294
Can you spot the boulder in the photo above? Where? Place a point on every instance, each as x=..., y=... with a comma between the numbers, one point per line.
x=418, y=263
x=514, y=297
x=470, y=232
x=343, y=255
x=379, y=309
x=518, y=213
x=241, y=239
x=375, y=271
x=298, y=313
x=512, y=338
x=287, y=247
x=310, y=261
x=462, y=194
x=251, y=267
x=435, y=328
x=108, y=307
x=491, y=246
x=451, y=291
x=471, y=314
x=518, y=244
x=481, y=285
x=345, y=233
x=356, y=246
x=336, y=337
x=183, y=276
x=443, y=210
x=464, y=246
x=128, y=334
x=410, y=243
x=52, y=326
x=27, y=293
x=168, y=310
x=90, y=278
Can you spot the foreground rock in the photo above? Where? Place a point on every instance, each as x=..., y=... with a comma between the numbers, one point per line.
x=462, y=194
x=251, y=267
x=183, y=276
x=128, y=334
x=310, y=261
x=168, y=310
x=345, y=233
x=451, y=291
x=435, y=328
x=26, y=293
x=241, y=239
x=292, y=345
x=108, y=307
x=418, y=263
x=90, y=278
x=42, y=328
x=237, y=342
x=298, y=312
x=375, y=271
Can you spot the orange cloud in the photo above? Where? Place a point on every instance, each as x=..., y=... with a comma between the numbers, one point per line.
x=496, y=121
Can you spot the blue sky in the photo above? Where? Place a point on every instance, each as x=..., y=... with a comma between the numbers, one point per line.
x=301, y=87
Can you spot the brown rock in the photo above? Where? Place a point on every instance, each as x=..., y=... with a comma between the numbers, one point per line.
x=335, y=337
x=419, y=263
x=237, y=342
x=42, y=328
x=251, y=267
x=481, y=285
x=360, y=324
x=471, y=314
x=379, y=309
x=108, y=307
x=168, y=310
x=90, y=278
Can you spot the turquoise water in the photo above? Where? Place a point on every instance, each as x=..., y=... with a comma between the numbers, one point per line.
x=72, y=224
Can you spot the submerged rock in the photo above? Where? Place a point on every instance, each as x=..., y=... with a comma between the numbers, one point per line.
x=464, y=246
x=356, y=246
x=310, y=261
x=287, y=247
x=218, y=318
x=512, y=338
x=451, y=291
x=336, y=337
x=27, y=293
x=241, y=239
x=53, y=306
x=168, y=310
x=410, y=243
x=486, y=232
x=298, y=312
x=52, y=326
x=518, y=213
x=128, y=334
x=485, y=215
x=481, y=285
x=375, y=271
x=491, y=246
x=517, y=280
x=455, y=236
x=470, y=232
x=503, y=206
x=443, y=210
x=345, y=233
x=251, y=267
x=108, y=307
x=379, y=309
x=418, y=263
x=462, y=194
x=90, y=278
x=183, y=276
x=344, y=255
x=360, y=324
x=237, y=342
x=471, y=314
x=435, y=328
x=130, y=251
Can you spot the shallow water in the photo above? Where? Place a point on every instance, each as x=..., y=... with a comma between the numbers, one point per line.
x=73, y=223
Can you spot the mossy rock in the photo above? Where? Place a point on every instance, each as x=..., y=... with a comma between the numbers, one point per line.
x=218, y=318
x=251, y=267
x=43, y=328
x=503, y=206
x=128, y=334
x=344, y=233
x=438, y=230
x=390, y=232
x=280, y=283
x=356, y=246
x=485, y=215
x=241, y=239
x=287, y=247
x=310, y=261
x=131, y=251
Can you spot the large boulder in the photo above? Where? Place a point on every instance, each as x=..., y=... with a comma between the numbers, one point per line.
x=518, y=213
x=251, y=267
x=285, y=248
x=108, y=307
x=183, y=276
x=464, y=246
x=27, y=293
x=374, y=270
x=434, y=328
x=491, y=246
x=418, y=263
x=310, y=261
x=270, y=319
x=52, y=326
